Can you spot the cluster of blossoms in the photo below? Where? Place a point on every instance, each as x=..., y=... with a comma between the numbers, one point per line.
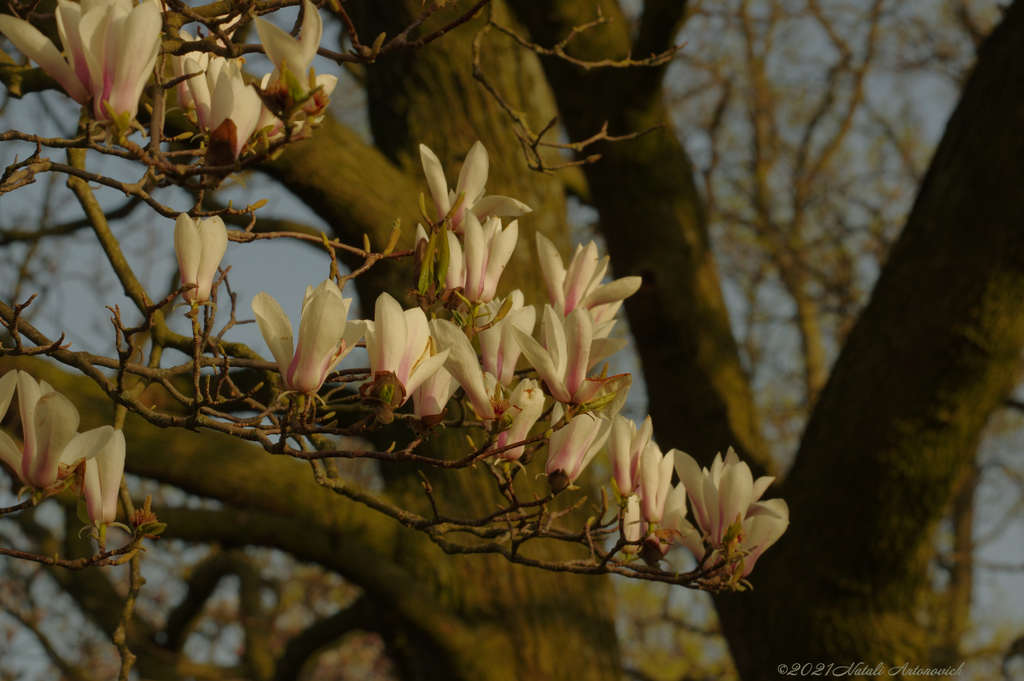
x=417, y=354
x=110, y=51
x=54, y=456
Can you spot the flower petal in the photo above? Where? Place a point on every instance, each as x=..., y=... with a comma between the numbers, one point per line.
x=542, y=362
x=276, y=329
x=473, y=175
x=55, y=424
x=435, y=180
x=37, y=47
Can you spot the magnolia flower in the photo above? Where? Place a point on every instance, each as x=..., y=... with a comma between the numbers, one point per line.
x=103, y=480
x=572, y=447
x=399, y=342
x=111, y=49
x=499, y=350
x=624, y=449
x=433, y=394
x=488, y=249
x=655, y=481
x=324, y=336
x=464, y=365
x=52, y=444
x=570, y=350
x=287, y=52
x=526, y=404
x=472, y=179
x=580, y=285
x=220, y=94
x=199, y=245
x=726, y=495
x=326, y=84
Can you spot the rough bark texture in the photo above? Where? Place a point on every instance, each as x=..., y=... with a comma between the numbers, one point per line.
x=896, y=426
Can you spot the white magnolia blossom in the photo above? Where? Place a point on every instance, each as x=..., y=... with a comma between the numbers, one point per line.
x=52, y=443
x=569, y=351
x=580, y=285
x=324, y=335
x=431, y=398
x=295, y=54
x=488, y=249
x=472, y=179
x=275, y=126
x=724, y=495
x=199, y=244
x=111, y=50
x=399, y=342
x=499, y=350
x=655, y=481
x=103, y=481
x=625, y=446
x=575, y=445
x=220, y=93
x=526, y=404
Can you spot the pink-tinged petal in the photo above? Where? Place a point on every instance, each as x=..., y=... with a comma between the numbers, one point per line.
x=463, y=365
x=473, y=175
x=716, y=528
x=620, y=444
x=499, y=206
x=103, y=480
x=612, y=292
x=11, y=455
x=435, y=181
x=309, y=36
x=424, y=370
x=7, y=385
x=93, y=31
x=601, y=433
x=37, y=47
x=539, y=358
x=29, y=392
x=579, y=335
x=553, y=270
x=320, y=336
x=139, y=43
x=501, y=250
x=693, y=479
x=85, y=446
x=762, y=532
x=276, y=329
x=189, y=249
x=55, y=423
x=433, y=394
x=476, y=258
x=69, y=14
x=579, y=275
